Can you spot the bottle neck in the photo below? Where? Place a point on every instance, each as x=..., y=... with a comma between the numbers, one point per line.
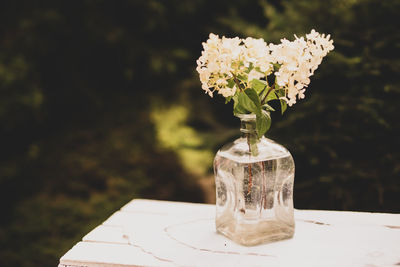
x=248, y=126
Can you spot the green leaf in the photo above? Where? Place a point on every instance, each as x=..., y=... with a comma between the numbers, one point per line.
x=258, y=85
x=277, y=66
x=271, y=96
x=249, y=68
x=283, y=105
x=247, y=103
x=281, y=93
x=264, y=93
x=237, y=107
x=228, y=99
x=231, y=83
x=268, y=107
x=253, y=96
x=263, y=123
x=242, y=77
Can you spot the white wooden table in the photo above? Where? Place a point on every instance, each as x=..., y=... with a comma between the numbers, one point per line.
x=162, y=233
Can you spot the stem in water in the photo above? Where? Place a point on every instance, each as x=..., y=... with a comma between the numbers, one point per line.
x=249, y=167
x=250, y=180
x=264, y=195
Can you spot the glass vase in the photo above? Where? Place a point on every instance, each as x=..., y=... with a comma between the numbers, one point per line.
x=254, y=188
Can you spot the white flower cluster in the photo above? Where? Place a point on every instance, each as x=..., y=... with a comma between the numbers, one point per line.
x=224, y=60
x=299, y=59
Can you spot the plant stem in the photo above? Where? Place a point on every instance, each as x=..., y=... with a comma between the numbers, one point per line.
x=268, y=92
x=249, y=167
x=236, y=81
x=264, y=196
x=250, y=180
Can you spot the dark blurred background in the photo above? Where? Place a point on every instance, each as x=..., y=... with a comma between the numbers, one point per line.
x=100, y=103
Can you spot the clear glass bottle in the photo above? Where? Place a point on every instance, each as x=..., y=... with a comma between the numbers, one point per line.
x=254, y=188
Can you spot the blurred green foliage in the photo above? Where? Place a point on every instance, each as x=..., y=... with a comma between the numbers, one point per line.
x=100, y=103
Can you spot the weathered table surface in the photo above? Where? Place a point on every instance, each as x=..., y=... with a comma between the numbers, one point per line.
x=162, y=233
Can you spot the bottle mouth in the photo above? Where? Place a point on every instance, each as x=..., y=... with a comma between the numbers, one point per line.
x=247, y=131
x=248, y=122
x=251, y=116
x=246, y=117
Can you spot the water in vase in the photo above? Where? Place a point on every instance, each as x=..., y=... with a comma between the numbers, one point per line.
x=254, y=193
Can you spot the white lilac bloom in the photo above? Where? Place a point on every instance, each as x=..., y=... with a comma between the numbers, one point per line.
x=219, y=60
x=228, y=65
x=299, y=59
